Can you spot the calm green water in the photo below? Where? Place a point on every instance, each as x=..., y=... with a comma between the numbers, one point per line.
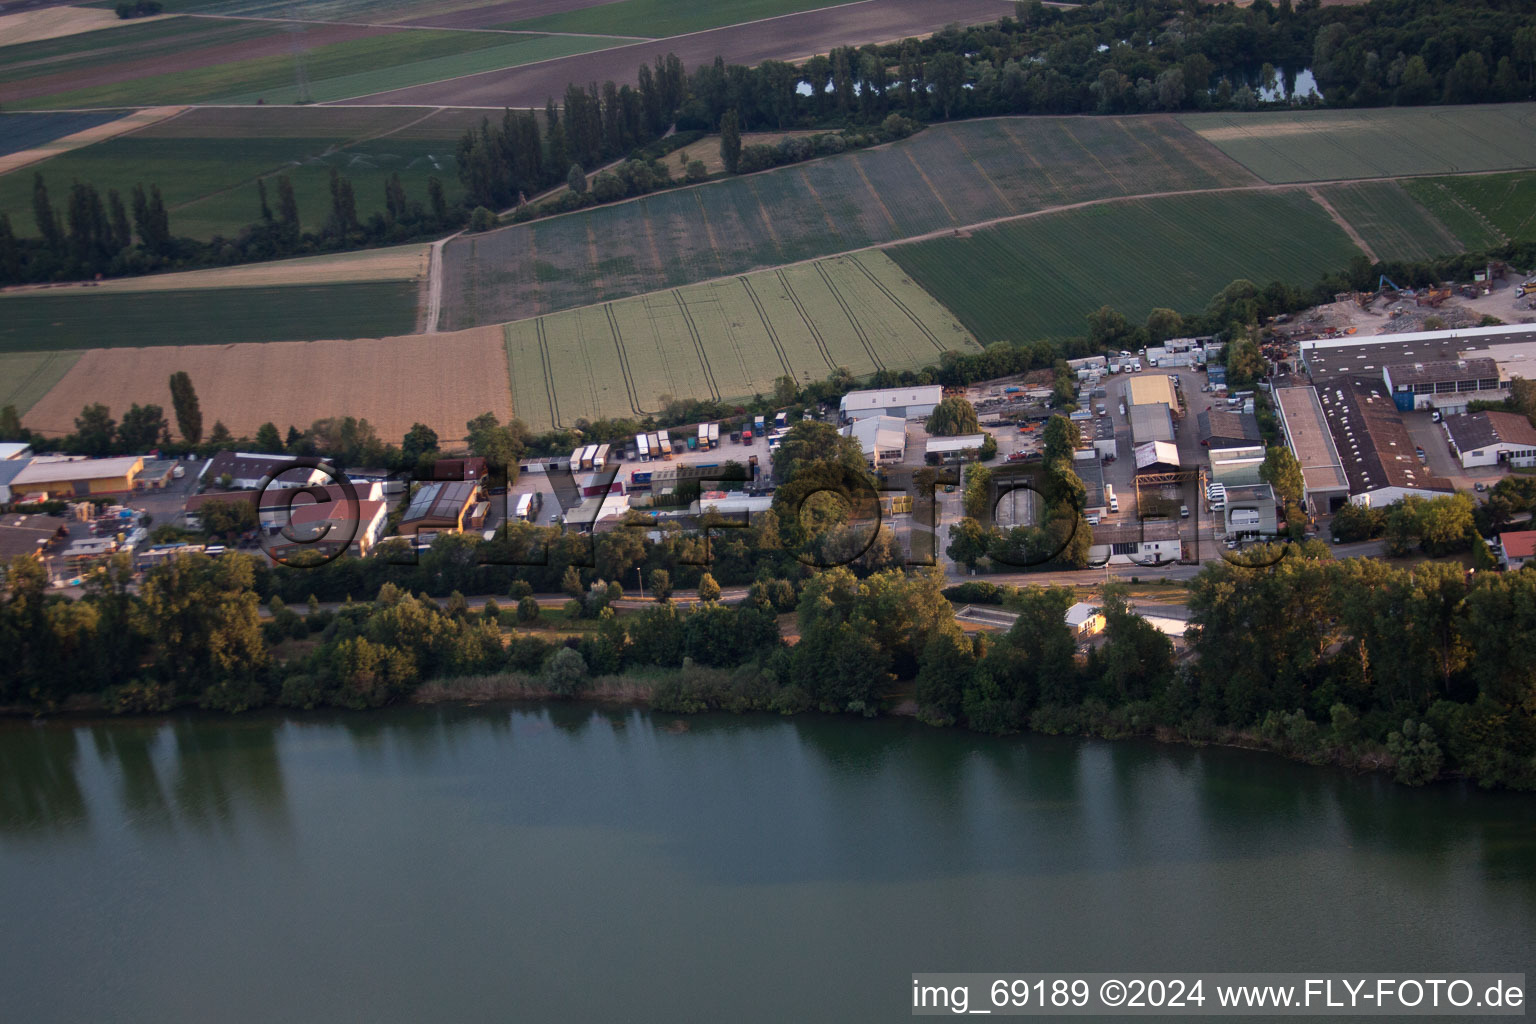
x=549, y=864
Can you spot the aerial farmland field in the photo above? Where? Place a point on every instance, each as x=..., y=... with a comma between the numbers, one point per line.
x=1039, y=277
x=945, y=177
x=660, y=17
x=442, y=380
x=206, y=162
x=725, y=340
x=28, y=131
x=1491, y=208
x=25, y=377
x=50, y=320
x=340, y=61
x=1391, y=222
x=1324, y=145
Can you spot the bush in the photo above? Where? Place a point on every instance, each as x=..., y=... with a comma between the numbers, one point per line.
x=481, y=219
x=695, y=171
x=566, y=673
x=573, y=610
x=528, y=609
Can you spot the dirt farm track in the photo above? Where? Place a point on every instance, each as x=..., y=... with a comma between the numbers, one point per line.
x=791, y=37
x=443, y=380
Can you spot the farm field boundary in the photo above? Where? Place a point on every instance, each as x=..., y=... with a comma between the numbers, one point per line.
x=25, y=377
x=1330, y=145
x=1039, y=277
x=724, y=340
x=986, y=169
x=107, y=125
x=442, y=380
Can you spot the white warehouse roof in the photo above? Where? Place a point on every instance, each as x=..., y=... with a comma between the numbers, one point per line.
x=890, y=398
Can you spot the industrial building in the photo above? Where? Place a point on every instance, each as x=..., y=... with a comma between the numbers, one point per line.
x=953, y=449
x=1104, y=438
x=1444, y=384
x=1369, y=356
x=244, y=471
x=1227, y=428
x=913, y=403
x=1152, y=389
x=1377, y=451
x=1234, y=467
x=1157, y=457
x=1150, y=423
x=11, y=450
x=1251, y=511
x=1091, y=472
x=883, y=438
x=443, y=506
x=1150, y=542
x=274, y=504
x=1306, y=432
x=66, y=477
x=324, y=528
x=1491, y=438
x=30, y=535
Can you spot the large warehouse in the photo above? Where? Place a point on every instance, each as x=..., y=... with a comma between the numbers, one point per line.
x=912, y=403
x=1444, y=384
x=61, y=477
x=1377, y=449
x=1150, y=423
x=1307, y=434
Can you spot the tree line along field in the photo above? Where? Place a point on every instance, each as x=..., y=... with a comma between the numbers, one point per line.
x=1486, y=210
x=1039, y=277
x=238, y=61
x=1391, y=222
x=25, y=377
x=1324, y=145
x=947, y=176
x=72, y=318
x=207, y=161
x=725, y=340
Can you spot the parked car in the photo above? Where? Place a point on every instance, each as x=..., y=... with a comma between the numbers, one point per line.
x=1435, y=416
x=1480, y=486
x=1183, y=511
x=1018, y=456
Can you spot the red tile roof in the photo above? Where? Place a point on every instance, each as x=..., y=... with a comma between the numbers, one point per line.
x=1518, y=543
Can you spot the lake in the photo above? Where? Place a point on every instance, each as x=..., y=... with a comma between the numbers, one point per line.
x=550, y=863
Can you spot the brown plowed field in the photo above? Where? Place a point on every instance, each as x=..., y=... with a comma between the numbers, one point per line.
x=788, y=38
x=442, y=380
x=278, y=43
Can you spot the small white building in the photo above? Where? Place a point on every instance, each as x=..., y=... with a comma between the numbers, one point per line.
x=1490, y=438
x=246, y=471
x=913, y=403
x=883, y=438
x=1084, y=620
x=949, y=449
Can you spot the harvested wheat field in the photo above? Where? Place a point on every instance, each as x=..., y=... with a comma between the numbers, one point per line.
x=442, y=380
x=53, y=22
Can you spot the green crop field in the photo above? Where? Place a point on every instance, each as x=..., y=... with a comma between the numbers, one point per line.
x=1323, y=145
x=207, y=168
x=1485, y=210
x=308, y=10
x=661, y=18
x=1038, y=278
x=26, y=377
x=945, y=177
x=1392, y=224
x=334, y=71
x=725, y=339
x=34, y=321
